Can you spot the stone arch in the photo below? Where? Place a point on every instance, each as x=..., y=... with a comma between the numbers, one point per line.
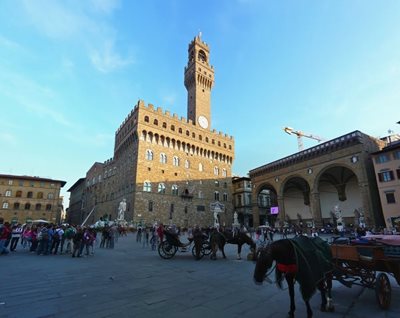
x=295, y=193
x=266, y=197
x=338, y=188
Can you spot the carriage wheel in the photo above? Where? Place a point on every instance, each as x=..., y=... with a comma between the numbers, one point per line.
x=207, y=248
x=166, y=250
x=202, y=253
x=383, y=291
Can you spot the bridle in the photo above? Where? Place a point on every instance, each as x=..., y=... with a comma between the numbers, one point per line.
x=266, y=277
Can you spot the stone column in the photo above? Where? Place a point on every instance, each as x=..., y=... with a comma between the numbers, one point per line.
x=282, y=213
x=315, y=207
x=256, y=215
x=366, y=204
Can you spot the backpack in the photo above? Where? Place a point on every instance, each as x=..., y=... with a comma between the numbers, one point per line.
x=56, y=236
x=45, y=234
x=69, y=234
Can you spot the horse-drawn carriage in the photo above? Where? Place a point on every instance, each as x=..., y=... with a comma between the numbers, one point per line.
x=172, y=244
x=313, y=263
x=367, y=266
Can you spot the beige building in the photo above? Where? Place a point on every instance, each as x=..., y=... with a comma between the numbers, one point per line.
x=24, y=198
x=242, y=200
x=317, y=185
x=387, y=172
x=168, y=168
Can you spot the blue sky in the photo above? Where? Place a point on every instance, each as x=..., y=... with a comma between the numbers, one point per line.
x=70, y=72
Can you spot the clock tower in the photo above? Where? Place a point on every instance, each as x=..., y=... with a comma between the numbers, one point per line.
x=199, y=80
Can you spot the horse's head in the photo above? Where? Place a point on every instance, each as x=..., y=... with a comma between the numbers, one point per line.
x=263, y=263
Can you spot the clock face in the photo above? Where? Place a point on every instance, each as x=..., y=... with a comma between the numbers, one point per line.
x=203, y=122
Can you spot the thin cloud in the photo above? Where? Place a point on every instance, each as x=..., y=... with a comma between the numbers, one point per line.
x=32, y=96
x=8, y=138
x=105, y=6
x=107, y=60
x=53, y=19
x=6, y=43
x=97, y=140
x=60, y=21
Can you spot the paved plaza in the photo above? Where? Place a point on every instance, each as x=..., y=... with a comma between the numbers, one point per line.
x=132, y=281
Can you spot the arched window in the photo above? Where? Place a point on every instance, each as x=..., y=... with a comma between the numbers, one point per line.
x=27, y=206
x=161, y=188
x=48, y=207
x=216, y=183
x=175, y=161
x=206, y=139
x=50, y=196
x=187, y=133
x=164, y=125
x=180, y=130
x=200, y=138
x=187, y=164
x=155, y=122
x=163, y=158
x=40, y=195
x=202, y=56
x=38, y=206
x=216, y=196
x=216, y=171
x=172, y=127
x=225, y=197
x=5, y=205
x=149, y=154
x=8, y=193
x=224, y=172
x=16, y=206
x=30, y=194
x=19, y=194
x=174, y=189
x=147, y=186
x=146, y=119
x=200, y=166
x=201, y=196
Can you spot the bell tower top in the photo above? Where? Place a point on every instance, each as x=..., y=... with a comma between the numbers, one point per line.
x=199, y=80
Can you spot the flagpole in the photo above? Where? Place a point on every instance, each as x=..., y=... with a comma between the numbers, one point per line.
x=83, y=223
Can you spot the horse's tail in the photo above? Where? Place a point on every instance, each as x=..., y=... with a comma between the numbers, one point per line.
x=279, y=278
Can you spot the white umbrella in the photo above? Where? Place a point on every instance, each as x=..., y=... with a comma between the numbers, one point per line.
x=40, y=221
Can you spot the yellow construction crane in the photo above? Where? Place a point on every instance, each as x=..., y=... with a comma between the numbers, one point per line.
x=300, y=134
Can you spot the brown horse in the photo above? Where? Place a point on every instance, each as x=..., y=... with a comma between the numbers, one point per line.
x=219, y=239
x=311, y=267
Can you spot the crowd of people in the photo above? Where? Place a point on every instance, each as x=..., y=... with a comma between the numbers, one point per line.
x=51, y=239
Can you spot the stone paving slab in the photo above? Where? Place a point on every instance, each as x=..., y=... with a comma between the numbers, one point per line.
x=131, y=281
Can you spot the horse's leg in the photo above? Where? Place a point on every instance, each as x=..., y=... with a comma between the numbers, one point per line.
x=239, y=251
x=290, y=282
x=309, y=311
x=329, y=305
x=222, y=248
x=322, y=287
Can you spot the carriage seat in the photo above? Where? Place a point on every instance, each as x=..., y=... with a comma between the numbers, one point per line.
x=173, y=239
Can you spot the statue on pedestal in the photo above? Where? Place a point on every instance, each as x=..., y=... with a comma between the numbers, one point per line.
x=216, y=221
x=121, y=210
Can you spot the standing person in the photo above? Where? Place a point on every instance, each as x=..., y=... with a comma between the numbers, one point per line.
x=145, y=239
x=15, y=235
x=77, y=242
x=69, y=236
x=57, y=237
x=43, y=241
x=153, y=239
x=139, y=235
x=4, y=233
x=198, y=241
x=271, y=234
x=160, y=232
